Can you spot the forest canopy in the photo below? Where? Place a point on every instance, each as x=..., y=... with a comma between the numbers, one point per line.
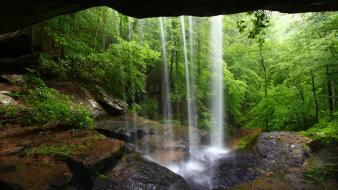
x=280, y=70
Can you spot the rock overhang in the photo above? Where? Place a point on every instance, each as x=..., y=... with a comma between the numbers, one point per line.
x=15, y=14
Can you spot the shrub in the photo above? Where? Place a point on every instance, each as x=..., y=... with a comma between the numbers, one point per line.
x=324, y=134
x=320, y=174
x=48, y=105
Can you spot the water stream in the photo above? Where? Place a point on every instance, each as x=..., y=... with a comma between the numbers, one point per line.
x=192, y=142
x=199, y=164
x=166, y=102
x=217, y=84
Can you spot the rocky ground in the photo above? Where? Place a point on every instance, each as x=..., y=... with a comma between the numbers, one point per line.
x=55, y=156
x=52, y=157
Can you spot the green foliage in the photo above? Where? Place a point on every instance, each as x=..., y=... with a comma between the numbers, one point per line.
x=9, y=111
x=170, y=122
x=259, y=24
x=135, y=108
x=125, y=63
x=48, y=105
x=326, y=132
x=272, y=81
x=149, y=108
x=235, y=94
x=320, y=174
x=55, y=150
x=243, y=142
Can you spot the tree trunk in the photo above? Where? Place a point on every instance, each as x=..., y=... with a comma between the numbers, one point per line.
x=334, y=98
x=121, y=27
x=103, y=31
x=265, y=84
x=329, y=92
x=314, y=95
x=96, y=31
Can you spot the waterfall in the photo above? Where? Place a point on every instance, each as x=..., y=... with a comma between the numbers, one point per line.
x=217, y=103
x=167, y=113
x=166, y=103
x=192, y=135
x=190, y=99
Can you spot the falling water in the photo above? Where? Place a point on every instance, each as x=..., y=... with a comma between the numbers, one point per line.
x=167, y=109
x=192, y=135
x=217, y=104
x=167, y=113
x=192, y=140
x=191, y=42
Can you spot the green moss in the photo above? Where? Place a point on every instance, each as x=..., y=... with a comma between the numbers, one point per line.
x=9, y=111
x=170, y=122
x=325, y=132
x=243, y=142
x=320, y=174
x=55, y=150
x=18, y=167
x=48, y=105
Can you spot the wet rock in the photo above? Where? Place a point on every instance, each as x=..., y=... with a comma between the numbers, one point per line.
x=272, y=152
x=112, y=105
x=16, y=43
x=13, y=78
x=282, y=149
x=168, y=157
x=32, y=173
x=321, y=143
x=105, y=183
x=134, y=172
x=11, y=150
x=10, y=186
x=5, y=92
x=100, y=154
x=149, y=135
x=79, y=96
x=123, y=130
x=6, y=100
x=85, y=163
x=6, y=88
x=69, y=158
x=14, y=16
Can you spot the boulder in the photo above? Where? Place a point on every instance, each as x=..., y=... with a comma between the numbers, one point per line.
x=6, y=88
x=86, y=163
x=52, y=157
x=112, y=105
x=79, y=96
x=134, y=172
x=99, y=155
x=278, y=150
x=6, y=100
x=274, y=151
x=123, y=130
x=32, y=173
x=13, y=78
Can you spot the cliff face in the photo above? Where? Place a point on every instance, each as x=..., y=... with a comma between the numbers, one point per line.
x=15, y=14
